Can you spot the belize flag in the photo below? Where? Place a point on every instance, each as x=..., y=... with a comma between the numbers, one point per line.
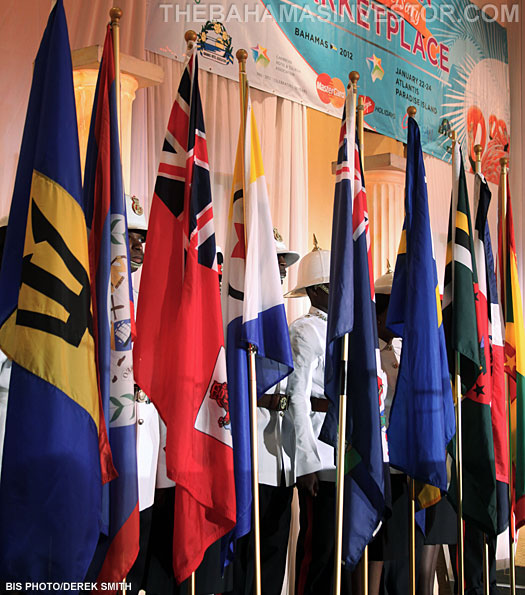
x=112, y=298
x=252, y=305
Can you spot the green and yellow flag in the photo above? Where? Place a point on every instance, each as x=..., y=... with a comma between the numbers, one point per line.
x=466, y=335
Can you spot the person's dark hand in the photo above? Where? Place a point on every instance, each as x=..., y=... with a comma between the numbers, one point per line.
x=310, y=483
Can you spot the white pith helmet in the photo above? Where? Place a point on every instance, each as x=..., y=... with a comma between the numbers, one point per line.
x=383, y=284
x=290, y=256
x=314, y=269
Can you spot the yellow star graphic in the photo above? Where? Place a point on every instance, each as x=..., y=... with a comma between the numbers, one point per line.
x=510, y=362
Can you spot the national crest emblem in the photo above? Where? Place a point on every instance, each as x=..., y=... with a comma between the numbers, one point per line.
x=136, y=206
x=219, y=393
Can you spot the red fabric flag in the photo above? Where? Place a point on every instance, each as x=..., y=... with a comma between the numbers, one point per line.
x=179, y=357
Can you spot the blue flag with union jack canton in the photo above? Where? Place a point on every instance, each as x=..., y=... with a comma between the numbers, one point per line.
x=352, y=310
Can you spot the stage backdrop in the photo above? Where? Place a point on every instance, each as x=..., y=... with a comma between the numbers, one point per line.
x=444, y=57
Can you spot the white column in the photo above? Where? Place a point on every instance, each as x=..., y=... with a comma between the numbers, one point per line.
x=85, y=81
x=385, y=188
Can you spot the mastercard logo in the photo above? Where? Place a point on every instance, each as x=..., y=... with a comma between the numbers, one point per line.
x=330, y=90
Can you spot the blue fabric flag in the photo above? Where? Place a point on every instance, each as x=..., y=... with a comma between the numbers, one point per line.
x=253, y=308
x=352, y=310
x=422, y=415
x=113, y=312
x=50, y=490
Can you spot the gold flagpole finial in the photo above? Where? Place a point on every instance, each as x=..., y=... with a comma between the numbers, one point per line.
x=316, y=244
x=388, y=266
x=478, y=150
x=411, y=111
x=453, y=136
x=504, y=162
x=353, y=77
x=242, y=56
x=115, y=14
x=190, y=37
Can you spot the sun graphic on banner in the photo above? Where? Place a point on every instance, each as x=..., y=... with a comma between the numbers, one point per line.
x=475, y=105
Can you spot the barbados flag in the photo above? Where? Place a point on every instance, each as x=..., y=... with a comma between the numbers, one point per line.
x=50, y=493
x=253, y=307
x=422, y=415
x=112, y=297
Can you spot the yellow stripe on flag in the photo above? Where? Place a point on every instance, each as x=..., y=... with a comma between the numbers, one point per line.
x=438, y=307
x=428, y=495
x=256, y=164
x=516, y=331
x=462, y=221
x=402, y=243
x=51, y=339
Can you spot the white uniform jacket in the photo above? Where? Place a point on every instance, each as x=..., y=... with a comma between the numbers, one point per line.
x=390, y=358
x=151, y=441
x=276, y=440
x=308, y=340
x=5, y=375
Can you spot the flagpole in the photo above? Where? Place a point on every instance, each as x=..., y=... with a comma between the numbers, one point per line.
x=361, y=129
x=242, y=56
x=478, y=150
x=190, y=37
x=341, y=447
x=411, y=111
x=191, y=584
x=459, y=452
x=360, y=119
x=115, y=15
x=502, y=208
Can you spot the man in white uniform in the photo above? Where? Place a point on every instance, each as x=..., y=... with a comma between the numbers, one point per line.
x=5, y=363
x=276, y=478
x=313, y=460
x=395, y=531
x=151, y=431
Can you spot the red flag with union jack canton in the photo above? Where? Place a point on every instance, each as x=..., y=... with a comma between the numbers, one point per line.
x=179, y=352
